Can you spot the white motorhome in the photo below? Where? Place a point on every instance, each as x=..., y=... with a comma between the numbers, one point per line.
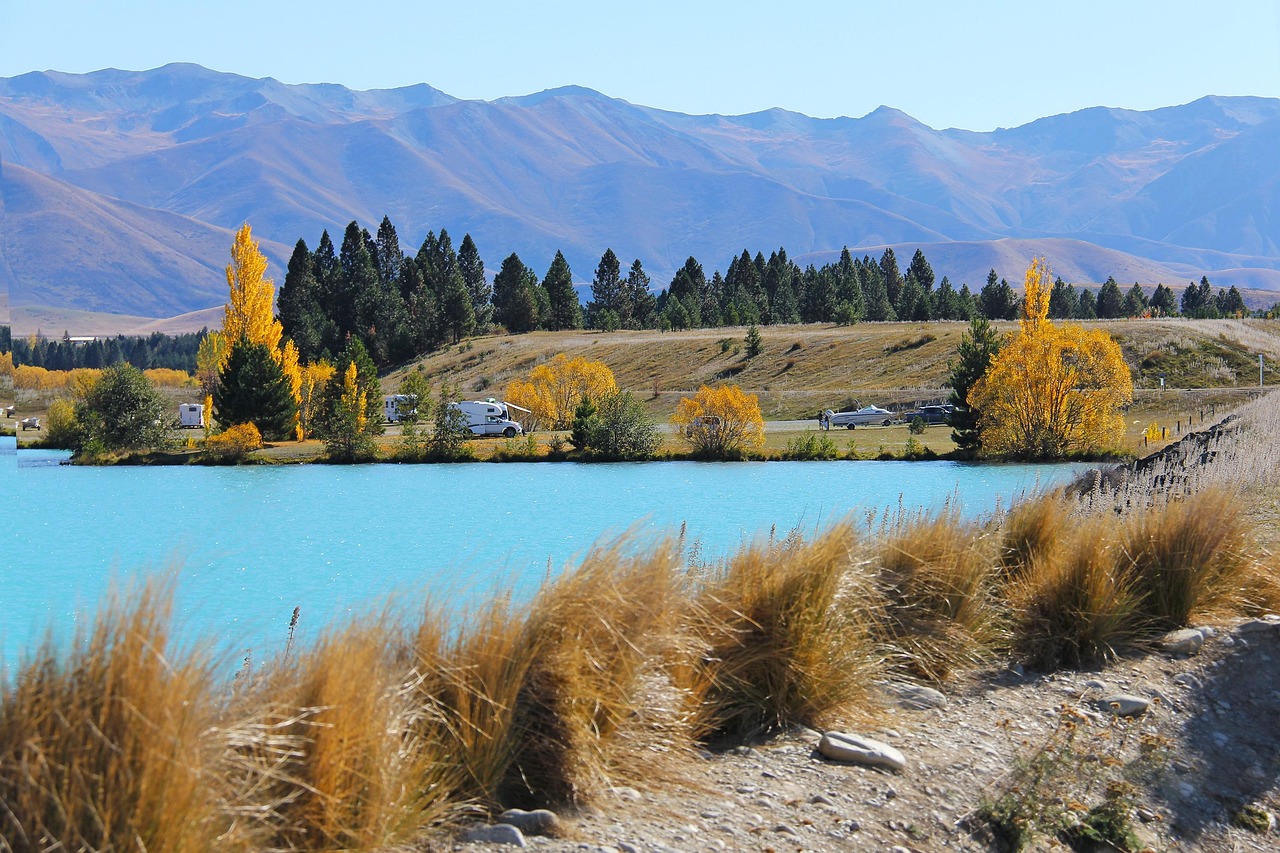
x=191, y=415
x=396, y=406
x=489, y=417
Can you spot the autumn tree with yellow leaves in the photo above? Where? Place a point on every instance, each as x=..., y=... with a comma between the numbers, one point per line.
x=1053, y=390
x=553, y=390
x=249, y=317
x=720, y=423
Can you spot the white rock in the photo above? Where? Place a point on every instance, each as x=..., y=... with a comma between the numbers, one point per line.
x=536, y=822
x=916, y=697
x=1124, y=705
x=841, y=746
x=1188, y=641
x=498, y=833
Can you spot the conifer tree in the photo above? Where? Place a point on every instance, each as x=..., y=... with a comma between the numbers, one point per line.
x=604, y=310
x=252, y=388
x=1135, y=301
x=891, y=277
x=456, y=311
x=978, y=346
x=1163, y=302
x=1110, y=300
x=472, y=269
x=644, y=306
x=566, y=311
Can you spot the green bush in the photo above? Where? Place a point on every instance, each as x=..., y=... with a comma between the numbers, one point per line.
x=917, y=425
x=810, y=446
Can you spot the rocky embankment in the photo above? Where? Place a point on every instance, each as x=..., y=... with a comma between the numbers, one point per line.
x=1191, y=727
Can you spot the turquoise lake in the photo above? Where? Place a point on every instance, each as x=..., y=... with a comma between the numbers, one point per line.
x=251, y=543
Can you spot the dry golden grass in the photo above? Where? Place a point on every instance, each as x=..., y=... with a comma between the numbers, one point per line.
x=782, y=635
x=937, y=578
x=106, y=746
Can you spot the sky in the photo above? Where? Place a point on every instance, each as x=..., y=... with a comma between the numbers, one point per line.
x=976, y=65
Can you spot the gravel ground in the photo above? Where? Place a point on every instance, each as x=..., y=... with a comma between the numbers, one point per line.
x=1218, y=711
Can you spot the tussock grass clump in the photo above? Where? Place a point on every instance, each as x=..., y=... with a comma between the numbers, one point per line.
x=936, y=576
x=106, y=746
x=1190, y=558
x=783, y=636
x=533, y=704
x=1071, y=606
x=355, y=774
x=1030, y=532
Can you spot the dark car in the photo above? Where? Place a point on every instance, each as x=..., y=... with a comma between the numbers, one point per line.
x=931, y=414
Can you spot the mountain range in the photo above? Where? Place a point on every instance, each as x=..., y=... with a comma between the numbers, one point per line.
x=120, y=190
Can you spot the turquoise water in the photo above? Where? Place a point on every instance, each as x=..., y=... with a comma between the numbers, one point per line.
x=254, y=542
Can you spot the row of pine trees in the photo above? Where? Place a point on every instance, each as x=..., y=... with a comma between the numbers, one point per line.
x=401, y=305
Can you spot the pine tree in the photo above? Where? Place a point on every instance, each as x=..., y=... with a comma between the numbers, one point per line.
x=357, y=283
x=978, y=346
x=1163, y=302
x=388, y=254
x=604, y=309
x=1087, y=307
x=456, y=312
x=298, y=304
x=252, y=388
x=1110, y=300
x=919, y=267
x=874, y=295
x=566, y=311
x=1135, y=301
x=472, y=269
x=643, y=303
x=1063, y=301
x=890, y=277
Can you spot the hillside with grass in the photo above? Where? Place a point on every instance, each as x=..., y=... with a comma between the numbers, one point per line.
x=804, y=369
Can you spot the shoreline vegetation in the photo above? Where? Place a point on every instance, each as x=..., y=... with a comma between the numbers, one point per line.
x=391, y=730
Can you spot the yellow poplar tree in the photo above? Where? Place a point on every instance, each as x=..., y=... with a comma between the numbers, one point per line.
x=210, y=357
x=722, y=422
x=1054, y=389
x=249, y=312
x=250, y=315
x=313, y=379
x=554, y=390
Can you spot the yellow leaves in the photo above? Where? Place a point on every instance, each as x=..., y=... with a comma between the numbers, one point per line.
x=720, y=422
x=235, y=442
x=167, y=377
x=1038, y=285
x=554, y=390
x=313, y=378
x=210, y=357
x=28, y=377
x=354, y=398
x=6, y=364
x=293, y=372
x=249, y=311
x=1053, y=389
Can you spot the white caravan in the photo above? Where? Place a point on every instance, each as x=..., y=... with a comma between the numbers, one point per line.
x=191, y=415
x=489, y=417
x=397, y=406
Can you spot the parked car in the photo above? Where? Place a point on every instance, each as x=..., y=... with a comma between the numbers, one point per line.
x=939, y=414
x=862, y=417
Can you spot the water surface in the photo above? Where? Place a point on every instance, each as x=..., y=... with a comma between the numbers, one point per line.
x=254, y=542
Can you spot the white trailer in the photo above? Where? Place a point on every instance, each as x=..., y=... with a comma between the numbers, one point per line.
x=489, y=417
x=191, y=415
x=397, y=406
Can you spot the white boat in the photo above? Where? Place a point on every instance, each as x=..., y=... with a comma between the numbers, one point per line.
x=862, y=417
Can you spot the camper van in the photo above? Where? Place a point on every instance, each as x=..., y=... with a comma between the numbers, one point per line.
x=397, y=406
x=489, y=417
x=191, y=415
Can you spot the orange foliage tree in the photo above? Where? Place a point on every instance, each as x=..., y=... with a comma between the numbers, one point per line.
x=1054, y=389
x=721, y=423
x=554, y=390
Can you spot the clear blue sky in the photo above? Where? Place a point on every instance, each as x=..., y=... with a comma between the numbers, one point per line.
x=976, y=65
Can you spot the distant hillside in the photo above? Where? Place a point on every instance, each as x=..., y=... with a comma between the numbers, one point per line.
x=121, y=188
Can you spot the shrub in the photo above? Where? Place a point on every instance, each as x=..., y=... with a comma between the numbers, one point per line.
x=810, y=446
x=619, y=428
x=123, y=411
x=234, y=444
x=62, y=430
x=753, y=342
x=720, y=423
x=917, y=425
